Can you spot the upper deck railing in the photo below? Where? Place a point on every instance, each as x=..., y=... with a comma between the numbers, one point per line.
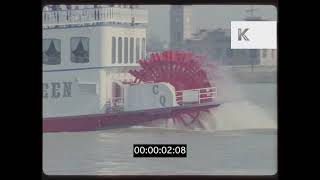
x=196, y=96
x=92, y=16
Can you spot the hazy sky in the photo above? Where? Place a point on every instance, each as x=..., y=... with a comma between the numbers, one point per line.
x=205, y=16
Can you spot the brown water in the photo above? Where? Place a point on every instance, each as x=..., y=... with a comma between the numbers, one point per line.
x=243, y=142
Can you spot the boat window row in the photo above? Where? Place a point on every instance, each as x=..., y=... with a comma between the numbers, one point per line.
x=128, y=49
x=79, y=49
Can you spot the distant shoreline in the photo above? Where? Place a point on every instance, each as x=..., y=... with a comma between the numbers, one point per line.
x=258, y=75
x=255, y=77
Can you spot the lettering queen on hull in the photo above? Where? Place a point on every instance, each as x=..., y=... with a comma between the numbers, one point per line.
x=57, y=90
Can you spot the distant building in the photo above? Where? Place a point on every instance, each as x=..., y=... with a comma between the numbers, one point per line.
x=180, y=25
x=216, y=44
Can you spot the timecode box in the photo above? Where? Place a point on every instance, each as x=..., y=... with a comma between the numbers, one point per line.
x=160, y=150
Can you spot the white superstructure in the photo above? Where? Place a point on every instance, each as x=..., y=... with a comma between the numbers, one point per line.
x=86, y=53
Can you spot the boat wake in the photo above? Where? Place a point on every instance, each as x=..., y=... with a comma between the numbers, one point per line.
x=242, y=115
x=231, y=116
x=234, y=132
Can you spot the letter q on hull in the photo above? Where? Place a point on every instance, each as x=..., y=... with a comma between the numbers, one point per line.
x=149, y=96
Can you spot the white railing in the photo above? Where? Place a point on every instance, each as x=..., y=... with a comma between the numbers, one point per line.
x=94, y=16
x=196, y=96
x=190, y=96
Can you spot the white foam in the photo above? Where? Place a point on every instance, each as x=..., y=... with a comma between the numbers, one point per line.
x=242, y=115
x=238, y=112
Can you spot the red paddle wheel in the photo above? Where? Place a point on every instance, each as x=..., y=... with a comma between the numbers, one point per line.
x=184, y=71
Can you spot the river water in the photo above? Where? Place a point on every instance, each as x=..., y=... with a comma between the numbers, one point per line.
x=242, y=142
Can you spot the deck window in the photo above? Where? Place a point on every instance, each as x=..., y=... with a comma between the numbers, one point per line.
x=143, y=51
x=120, y=50
x=113, y=50
x=126, y=50
x=51, y=51
x=137, y=49
x=87, y=88
x=131, y=49
x=80, y=49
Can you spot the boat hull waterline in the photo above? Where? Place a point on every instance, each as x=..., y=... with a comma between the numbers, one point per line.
x=115, y=120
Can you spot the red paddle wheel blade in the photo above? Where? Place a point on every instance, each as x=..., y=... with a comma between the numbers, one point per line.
x=183, y=70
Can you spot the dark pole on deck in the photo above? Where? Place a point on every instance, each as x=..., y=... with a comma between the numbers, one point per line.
x=252, y=65
x=252, y=56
